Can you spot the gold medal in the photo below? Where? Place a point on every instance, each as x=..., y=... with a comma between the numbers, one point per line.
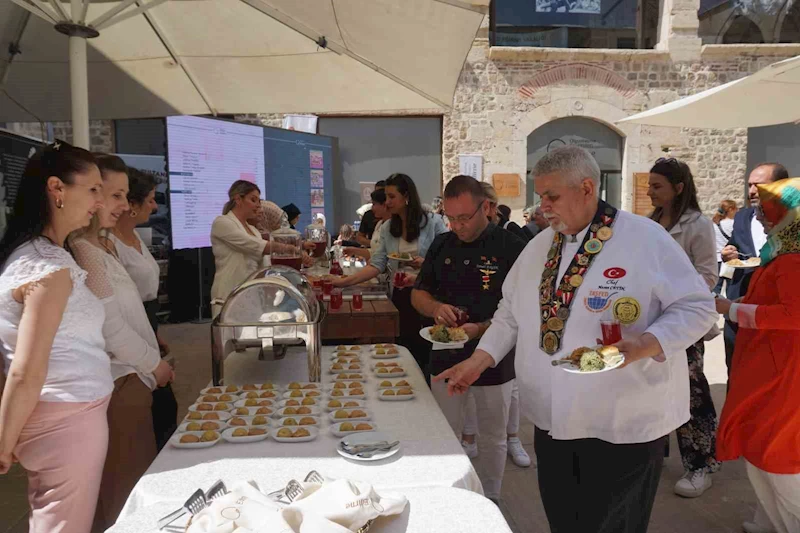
x=583, y=260
x=627, y=310
x=555, y=324
x=605, y=233
x=550, y=342
x=576, y=280
x=593, y=246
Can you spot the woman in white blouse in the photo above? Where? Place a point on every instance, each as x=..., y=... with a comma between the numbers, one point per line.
x=56, y=381
x=145, y=273
x=673, y=193
x=136, y=364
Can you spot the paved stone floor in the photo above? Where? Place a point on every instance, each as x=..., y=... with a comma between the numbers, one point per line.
x=720, y=510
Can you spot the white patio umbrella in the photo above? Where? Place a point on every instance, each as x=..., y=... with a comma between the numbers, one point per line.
x=136, y=58
x=770, y=96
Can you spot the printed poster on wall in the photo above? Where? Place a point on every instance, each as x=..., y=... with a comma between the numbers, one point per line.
x=317, y=181
x=471, y=165
x=316, y=159
x=317, y=198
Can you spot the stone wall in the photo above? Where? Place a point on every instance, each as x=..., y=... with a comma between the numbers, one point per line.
x=506, y=93
x=101, y=132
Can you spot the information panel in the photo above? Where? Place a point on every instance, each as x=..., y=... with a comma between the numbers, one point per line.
x=205, y=156
x=15, y=150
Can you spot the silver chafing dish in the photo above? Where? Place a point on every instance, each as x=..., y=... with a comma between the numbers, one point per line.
x=272, y=310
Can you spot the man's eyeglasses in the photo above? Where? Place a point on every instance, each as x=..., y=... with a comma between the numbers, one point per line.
x=463, y=219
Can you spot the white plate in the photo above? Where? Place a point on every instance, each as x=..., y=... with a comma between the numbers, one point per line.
x=367, y=437
x=360, y=378
x=222, y=388
x=241, y=403
x=347, y=370
x=393, y=384
x=384, y=356
x=234, y=397
x=385, y=364
x=317, y=385
x=398, y=259
x=350, y=348
x=175, y=440
x=280, y=413
x=751, y=262
x=229, y=405
x=259, y=387
x=223, y=415
x=335, y=428
x=572, y=369
x=314, y=433
x=346, y=355
x=279, y=423
x=400, y=398
x=222, y=425
x=248, y=395
x=390, y=375
x=288, y=394
x=427, y=336
x=361, y=404
x=330, y=387
x=347, y=361
x=347, y=397
x=249, y=420
x=360, y=418
x=227, y=435
x=251, y=411
x=282, y=403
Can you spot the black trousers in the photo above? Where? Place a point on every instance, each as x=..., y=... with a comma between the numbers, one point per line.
x=165, y=406
x=593, y=486
x=410, y=324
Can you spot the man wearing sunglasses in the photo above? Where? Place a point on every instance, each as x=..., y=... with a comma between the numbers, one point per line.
x=465, y=269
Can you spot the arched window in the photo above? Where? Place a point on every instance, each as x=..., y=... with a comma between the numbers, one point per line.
x=790, y=29
x=742, y=31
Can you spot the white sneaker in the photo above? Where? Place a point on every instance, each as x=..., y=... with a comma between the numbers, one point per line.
x=518, y=454
x=693, y=484
x=470, y=449
x=752, y=527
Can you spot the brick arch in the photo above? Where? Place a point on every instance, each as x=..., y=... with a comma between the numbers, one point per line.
x=577, y=71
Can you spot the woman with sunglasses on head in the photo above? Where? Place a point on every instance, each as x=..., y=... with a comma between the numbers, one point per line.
x=136, y=364
x=56, y=382
x=760, y=421
x=410, y=230
x=673, y=193
x=145, y=273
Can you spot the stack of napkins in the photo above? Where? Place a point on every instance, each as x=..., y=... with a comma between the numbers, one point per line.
x=337, y=506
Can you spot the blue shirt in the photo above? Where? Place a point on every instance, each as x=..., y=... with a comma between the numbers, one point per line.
x=389, y=243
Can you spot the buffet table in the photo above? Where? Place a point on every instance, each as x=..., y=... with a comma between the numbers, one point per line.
x=428, y=509
x=430, y=454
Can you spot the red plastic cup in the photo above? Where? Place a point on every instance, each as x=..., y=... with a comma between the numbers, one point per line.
x=327, y=286
x=612, y=331
x=358, y=300
x=336, y=298
x=317, y=283
x=318, y=294
x=461, y=316
x=399, y=278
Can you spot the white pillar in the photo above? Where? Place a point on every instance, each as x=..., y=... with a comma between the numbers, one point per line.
x=79, y=86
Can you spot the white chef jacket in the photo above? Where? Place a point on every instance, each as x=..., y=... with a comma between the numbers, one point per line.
x=237, y=254
x=641, y=402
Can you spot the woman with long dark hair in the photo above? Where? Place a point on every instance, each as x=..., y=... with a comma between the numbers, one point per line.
x=56, y=382
x=136, y=364
x=673, y=193
x=145, y=273
x=409, y=231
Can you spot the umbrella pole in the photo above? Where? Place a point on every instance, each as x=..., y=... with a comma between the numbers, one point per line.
x=79, y=87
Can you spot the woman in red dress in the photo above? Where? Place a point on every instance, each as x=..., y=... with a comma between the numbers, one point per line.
x=761, y=419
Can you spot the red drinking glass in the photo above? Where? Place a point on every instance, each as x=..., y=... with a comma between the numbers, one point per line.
x=612, y=331
x=319, y=248
x=461, y=316
x=327, y=286
x=399, y=278
x=336, y=298
x=358, y=300
x=318, y=294
x=317, y=283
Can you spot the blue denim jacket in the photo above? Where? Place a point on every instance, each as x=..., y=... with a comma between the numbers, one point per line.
x=389, y=243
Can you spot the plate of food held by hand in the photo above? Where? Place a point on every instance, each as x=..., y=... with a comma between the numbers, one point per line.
x=443, y=335
x=750, y=262
x=402, y=257
x=591, y=360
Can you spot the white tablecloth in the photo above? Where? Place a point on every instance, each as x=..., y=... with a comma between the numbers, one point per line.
x=429, y=509
x=430, y=454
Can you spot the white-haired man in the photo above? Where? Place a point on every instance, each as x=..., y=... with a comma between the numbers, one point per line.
x=599, y=439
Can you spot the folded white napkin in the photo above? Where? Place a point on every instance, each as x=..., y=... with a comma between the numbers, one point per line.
x=338, y=506
x=448, y=346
